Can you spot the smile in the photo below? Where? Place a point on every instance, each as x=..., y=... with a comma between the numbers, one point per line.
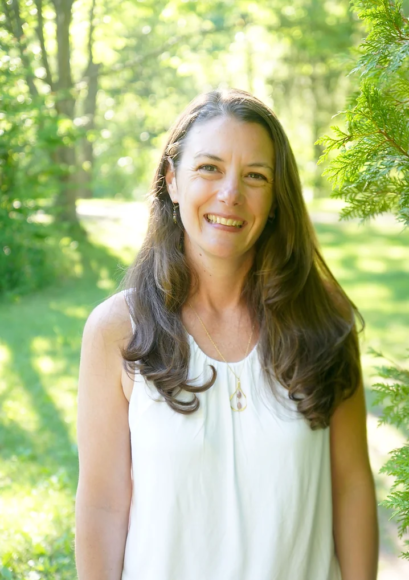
x=215, y=219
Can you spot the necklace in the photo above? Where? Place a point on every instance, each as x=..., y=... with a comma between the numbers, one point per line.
x=238, y=392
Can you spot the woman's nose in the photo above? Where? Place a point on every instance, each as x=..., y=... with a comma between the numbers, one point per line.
x=230, y=191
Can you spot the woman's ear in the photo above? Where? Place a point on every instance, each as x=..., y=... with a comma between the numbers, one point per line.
x=170, y=178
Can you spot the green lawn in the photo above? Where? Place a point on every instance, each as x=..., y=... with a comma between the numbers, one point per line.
x=40, y=340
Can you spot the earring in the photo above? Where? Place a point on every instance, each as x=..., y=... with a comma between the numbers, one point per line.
x=175, y=219
x=270, y=219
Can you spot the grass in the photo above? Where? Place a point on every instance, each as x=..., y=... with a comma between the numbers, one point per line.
x=40, y=341
x=39, y=355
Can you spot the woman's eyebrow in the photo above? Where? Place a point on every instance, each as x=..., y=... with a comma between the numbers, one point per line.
x=257, y=164
x=216, y=158
x=203, y=154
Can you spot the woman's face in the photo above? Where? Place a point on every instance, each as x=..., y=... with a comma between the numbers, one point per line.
x=226, y=171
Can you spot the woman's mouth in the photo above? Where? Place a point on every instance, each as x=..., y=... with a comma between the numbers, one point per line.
x=232, y=223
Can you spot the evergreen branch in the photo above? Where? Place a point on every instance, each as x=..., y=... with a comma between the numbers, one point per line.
x=385, y=135
x=389, y=29
x=398, y=499
x=378, y=354
x=368, y=200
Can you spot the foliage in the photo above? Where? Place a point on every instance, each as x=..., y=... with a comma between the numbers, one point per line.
x=316, y=38
x=394, y=394
x=371, y=173
x=31, y=253
x=87, y=98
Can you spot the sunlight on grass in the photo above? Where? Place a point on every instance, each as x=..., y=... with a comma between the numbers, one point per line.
x=371, y=265
x=45, y=364
x=34, y=510
x=71, y=311
x=365, y=294
x=17, y=410
x=399, y=253
x=381, y=292
x=4, y=355
x=325, y=204
x=120, y=226
x=44, y=359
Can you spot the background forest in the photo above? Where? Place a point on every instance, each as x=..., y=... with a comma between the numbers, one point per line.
x=88, y=90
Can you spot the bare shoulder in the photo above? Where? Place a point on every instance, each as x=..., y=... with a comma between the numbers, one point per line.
x=108, y=330
x=111, y=319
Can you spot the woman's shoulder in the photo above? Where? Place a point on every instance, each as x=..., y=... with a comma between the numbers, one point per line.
x=111, y=319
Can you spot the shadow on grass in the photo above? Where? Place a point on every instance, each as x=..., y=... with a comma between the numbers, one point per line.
x=41, y=334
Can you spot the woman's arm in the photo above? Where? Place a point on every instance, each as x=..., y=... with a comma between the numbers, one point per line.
x=355, y=524
x=104, y=487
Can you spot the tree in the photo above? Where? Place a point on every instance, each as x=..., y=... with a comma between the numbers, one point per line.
x=316, y=38
x=29, y=249
x=26, y=28
x=145, y=36
x=371, y=173
x=107, y=80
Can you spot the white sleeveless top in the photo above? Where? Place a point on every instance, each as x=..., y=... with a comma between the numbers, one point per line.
x=225, y=495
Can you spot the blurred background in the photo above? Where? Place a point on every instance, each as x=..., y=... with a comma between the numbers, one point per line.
x=88, y=90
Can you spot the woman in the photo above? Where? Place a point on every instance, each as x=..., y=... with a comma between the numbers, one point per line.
x=242, y=422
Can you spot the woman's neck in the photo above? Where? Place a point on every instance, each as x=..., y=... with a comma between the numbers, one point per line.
x=220, y=282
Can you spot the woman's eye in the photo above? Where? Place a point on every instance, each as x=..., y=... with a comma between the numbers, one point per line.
x=208, y=168
x=257, y=176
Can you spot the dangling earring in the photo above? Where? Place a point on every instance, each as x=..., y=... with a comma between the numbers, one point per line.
x=175, y=219
x=270, y=219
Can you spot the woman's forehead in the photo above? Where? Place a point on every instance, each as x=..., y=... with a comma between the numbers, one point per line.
x=226, y=134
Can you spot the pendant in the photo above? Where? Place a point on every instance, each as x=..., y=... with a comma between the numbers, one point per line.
x=241, y=399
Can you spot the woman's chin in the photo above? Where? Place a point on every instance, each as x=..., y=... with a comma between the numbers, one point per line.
x=219, y=251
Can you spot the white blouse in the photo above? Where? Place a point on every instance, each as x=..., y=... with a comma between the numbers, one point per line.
x=225, y=495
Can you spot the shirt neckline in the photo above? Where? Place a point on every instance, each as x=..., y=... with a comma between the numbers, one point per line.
x=220, y=362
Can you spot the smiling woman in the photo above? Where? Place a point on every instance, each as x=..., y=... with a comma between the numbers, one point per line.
x=209, y=189
x=221, y=415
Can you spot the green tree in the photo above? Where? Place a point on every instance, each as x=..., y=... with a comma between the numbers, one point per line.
x=371, y=173
x=108, y=79
x=29, y=256
x=25, y=26
x=310, y=82
x=135, y=43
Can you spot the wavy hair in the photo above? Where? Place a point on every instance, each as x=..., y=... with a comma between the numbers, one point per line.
x=308, y=337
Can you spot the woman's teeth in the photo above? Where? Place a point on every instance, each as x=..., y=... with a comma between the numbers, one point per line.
x=215, y=219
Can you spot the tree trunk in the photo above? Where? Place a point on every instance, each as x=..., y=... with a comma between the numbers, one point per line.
x=65, y=103
x=86, y=147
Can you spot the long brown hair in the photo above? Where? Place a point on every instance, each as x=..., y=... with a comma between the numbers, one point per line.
x=308, y=340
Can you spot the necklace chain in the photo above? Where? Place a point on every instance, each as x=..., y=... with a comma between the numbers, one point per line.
x=215, y=345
